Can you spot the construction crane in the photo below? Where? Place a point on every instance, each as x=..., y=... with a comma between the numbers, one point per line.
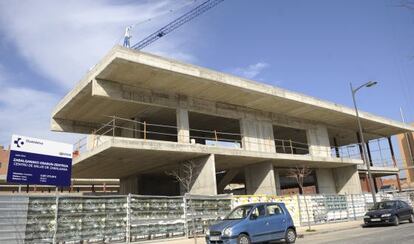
x=200, y=9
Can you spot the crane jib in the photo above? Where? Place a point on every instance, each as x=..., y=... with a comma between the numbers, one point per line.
x=200, y=9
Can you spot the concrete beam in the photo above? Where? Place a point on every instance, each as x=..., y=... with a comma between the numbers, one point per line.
x=347, y=180
x=61, y=125
x=260, y=179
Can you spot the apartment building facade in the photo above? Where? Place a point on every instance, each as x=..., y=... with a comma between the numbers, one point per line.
x=144, y=115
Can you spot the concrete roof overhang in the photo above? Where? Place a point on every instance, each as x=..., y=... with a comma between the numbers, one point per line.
x=119, y=157
x=143, y=70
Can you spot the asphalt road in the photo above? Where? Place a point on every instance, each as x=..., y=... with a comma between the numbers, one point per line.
x=404, y=233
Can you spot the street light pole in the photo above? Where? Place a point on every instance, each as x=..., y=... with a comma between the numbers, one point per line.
x=361, y=134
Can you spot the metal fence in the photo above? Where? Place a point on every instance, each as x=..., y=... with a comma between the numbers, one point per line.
x=135, y=218
x=325, y=208
x=105, y=219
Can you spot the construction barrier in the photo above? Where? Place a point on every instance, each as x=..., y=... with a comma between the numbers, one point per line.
x=135, y=218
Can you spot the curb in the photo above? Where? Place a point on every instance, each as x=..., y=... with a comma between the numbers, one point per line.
x=327, y=231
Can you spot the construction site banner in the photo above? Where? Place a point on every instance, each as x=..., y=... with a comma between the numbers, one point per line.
x=291, y=202
x=40, y=162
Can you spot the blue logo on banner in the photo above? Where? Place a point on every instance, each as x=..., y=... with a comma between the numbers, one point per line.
x=38, y=169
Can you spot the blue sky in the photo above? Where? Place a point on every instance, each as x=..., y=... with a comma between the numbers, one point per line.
x=313, y=47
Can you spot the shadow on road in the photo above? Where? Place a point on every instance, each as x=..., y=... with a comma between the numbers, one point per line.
x=382, y=225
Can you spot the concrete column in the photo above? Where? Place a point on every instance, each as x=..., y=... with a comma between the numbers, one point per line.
x=205, y=176
x=127, y=130
x=395, y=163
x=406, y=145
x=318, y=140
x=325, y=181
x=277, y=182
x=131, y=129
x=347, y=180
x=227, y=178
x=183, y=126
x=129, y=185
x=260, y=179
x=257, y=135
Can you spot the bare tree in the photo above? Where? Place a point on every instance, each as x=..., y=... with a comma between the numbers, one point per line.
x=299, y=174
x=185, y=176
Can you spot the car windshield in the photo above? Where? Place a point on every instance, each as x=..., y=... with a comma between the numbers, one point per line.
x=240, y=212
x=384, y=205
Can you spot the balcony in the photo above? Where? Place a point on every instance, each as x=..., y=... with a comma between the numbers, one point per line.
x=139, y=146
x=229, y=138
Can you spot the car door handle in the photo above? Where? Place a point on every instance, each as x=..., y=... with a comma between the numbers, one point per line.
x=267, y=223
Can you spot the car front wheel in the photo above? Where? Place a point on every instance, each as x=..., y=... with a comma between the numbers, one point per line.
x=290, y=236
x=396, y=221
x=243, y=239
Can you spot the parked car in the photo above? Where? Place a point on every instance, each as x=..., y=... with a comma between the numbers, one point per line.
x=389, y=212
x=252, y=223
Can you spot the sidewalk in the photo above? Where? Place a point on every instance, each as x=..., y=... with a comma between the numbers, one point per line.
x=325, y=228
x=319, y=229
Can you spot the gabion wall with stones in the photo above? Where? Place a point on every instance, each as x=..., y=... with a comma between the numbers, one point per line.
x=133, y=218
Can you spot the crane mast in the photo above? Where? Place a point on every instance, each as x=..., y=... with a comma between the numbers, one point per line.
x=200, y=9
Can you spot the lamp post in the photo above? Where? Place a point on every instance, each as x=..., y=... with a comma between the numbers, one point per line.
x=364, y=149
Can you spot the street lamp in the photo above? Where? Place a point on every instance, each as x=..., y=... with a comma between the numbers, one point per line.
x=364, y=149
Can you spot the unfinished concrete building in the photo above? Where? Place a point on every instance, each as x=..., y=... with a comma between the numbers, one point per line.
x=406, y=145
x=144, y=115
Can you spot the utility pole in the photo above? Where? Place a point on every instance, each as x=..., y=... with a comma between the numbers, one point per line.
x=361, y=134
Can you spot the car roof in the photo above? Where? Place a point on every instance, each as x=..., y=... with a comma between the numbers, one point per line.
x=260, y=203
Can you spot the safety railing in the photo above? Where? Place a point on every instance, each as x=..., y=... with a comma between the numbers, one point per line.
x=121, y=127
x=291, y=147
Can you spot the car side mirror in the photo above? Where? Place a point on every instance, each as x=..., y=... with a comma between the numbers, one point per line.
x=253, y=216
